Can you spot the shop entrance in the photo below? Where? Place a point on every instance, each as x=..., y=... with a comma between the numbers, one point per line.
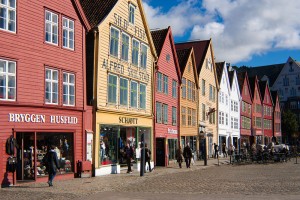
x=160, y=152
x=25, y=157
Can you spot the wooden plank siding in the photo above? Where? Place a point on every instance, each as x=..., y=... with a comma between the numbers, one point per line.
x=27, y=47
x=257, y=101
x=246, y=97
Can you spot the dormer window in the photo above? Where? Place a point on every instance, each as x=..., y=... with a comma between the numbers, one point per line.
x=131, y=13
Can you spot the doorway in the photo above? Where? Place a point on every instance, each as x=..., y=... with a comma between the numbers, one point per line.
x=25, y=157
x=160, y=152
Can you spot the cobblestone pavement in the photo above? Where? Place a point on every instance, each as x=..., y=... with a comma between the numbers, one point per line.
x=267, y=181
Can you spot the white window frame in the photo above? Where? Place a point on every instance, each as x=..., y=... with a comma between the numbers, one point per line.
x=7, y=75
x=138, y=52
x=110, y=42
x=52, y=25
x=131, y=15
x=143, y=56
x=69, y=30
x=52, y=81
x=69, y=85
x=9, y=8
x=174, y=116
x=123, y=45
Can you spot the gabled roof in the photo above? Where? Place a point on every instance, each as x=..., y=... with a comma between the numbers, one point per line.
x=159, y=37
x=97, y=10
x=274, y=95
x=219, y=69
x=231, y=76
x=272, y=71
x=183, y=56
x=241, y=79
x=200, y=51
x=82, y=15
x=262, y=88
x=252, y=81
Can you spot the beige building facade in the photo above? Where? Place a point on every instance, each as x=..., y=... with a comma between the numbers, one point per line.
x=123, y=86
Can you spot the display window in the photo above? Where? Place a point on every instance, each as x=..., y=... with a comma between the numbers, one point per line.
x=172, y=146
x=30, y=157
x=113, y=140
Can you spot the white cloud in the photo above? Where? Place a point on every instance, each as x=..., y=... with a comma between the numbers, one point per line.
x=239, y=28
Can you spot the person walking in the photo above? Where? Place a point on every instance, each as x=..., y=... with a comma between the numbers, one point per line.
x=129, y=156
x=187, y=153
x=147, y=157
x=179, y=156
x=224, y=150
x=52, y=164
x=216, y=148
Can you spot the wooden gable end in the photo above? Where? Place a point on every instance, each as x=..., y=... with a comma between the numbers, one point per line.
x=246, y=93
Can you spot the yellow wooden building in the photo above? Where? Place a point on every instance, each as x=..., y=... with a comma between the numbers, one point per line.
x=123, y=57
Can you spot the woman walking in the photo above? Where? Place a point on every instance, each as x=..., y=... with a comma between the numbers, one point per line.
x=179, y=156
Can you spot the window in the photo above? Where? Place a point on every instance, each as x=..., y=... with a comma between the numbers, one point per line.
x=112, y=88
x=165, y=113
x=221, y=118
x=226, y=119
x=51, y=25
x=298, y=80
x=183, y=88
x=123, y=92
x=68, y=89
x=68, y=33
x=194, y=91
x=144, y=50
x=293, y=92
x=125, y=47
x=183, y=116
x=203, y=112
x=114, y=42
x=142, y=96
x=7, y=80
x=131, y=13
x=158, y=112
x=286, y=81
x=135, y=52
x=214, y=94
x=194, y=117
x=166, y=84
x=210, y=92
x=189, y=117
x=174, y=89
x=226, y=100
x=133, y=95
x=203, y=87
x=174, y=116
x=51, y=86
x=257, y=122
x=159, y=82
x=190, y=95
x=236, y=123
x=8, y=15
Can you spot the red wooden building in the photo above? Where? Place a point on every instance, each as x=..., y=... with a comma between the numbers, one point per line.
x=267, y=111
x=277, y=136
x=42, y=87
x=246, y=110
x=257, y=111
x=167, y=79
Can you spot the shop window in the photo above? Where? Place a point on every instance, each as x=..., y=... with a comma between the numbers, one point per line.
x=51, y=26
x=144, y=51
x=109, y=144
x=183, y=88
x=135, y=52
x=51, y=93
x=172, y=147
x=114, y=42
x=7, y=80
x=123, y=92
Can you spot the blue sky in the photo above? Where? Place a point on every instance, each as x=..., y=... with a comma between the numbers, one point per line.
x=244, y=32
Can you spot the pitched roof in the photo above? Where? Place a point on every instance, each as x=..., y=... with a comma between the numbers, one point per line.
x=252, y=81
x=97, y=10
x=219, y=69
x=272, y=71
x=262, y=88
x=159, y=37
x=230, y=76
x=200, y=50
x=183, y=56
x=241, y=79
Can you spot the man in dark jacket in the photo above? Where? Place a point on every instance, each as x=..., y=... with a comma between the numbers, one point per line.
x=187, y=153
x=129, y=156
x=147, y=157
x=52, y=164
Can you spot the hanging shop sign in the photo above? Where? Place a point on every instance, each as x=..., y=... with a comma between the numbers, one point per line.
x=172, y=131
x=128, y=120
x=38, y=118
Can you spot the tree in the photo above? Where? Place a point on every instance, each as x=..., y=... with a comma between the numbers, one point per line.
x=290, y=126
